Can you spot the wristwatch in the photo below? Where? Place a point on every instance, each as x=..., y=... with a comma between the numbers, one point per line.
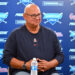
x=24, y=66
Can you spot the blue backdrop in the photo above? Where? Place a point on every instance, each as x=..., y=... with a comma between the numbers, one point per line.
x=58, y=15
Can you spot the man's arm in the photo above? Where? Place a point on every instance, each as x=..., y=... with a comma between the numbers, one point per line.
x=10, y=52
x=15, y=63
x=44, y=65
x=18, y=64
x=59, y=55
x=10, y=49
x=53, y=63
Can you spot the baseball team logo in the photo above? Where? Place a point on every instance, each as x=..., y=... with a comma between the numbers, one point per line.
x=72, y=34
x=3, y=16
x=72, y=17
x=72, y=2
x=24, y=2
x=72, y=69
x=52, y=18
x=1, y=53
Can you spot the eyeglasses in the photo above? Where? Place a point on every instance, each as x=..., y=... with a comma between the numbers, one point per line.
x=34, y=15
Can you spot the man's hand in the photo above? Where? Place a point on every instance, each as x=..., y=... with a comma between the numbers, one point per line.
x=43, y=65
x=28, y=65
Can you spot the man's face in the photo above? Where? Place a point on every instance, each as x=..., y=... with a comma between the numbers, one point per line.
x=33, y=17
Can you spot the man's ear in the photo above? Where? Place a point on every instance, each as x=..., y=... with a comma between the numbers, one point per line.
x=24, y=15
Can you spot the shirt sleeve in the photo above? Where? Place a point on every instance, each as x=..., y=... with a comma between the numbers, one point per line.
x=10, y=49
x=59, y=55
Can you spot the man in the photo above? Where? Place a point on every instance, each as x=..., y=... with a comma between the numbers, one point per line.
x=32, y=40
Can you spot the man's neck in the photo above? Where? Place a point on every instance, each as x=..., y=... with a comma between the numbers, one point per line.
x=33, y=30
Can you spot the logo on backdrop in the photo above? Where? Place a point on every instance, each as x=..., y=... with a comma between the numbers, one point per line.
x=3, y=32
x=3, y=69
x=19, y=21
x=3, y=40
x=24, y=2
x=59, y=34
x=19, y=14
x=72, y=69
x=60, y=41
x=72, y=35
x=58, y=68
x=72, y=50
x=3, y=16
x=3, y=3
x=52, y=3
x=72, y=57
x=72, y=17
x=72, y=2
x=52, y=18
x=1, y=53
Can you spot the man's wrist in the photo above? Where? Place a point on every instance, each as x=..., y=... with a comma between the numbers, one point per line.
x=24, y=66
x=53, y=63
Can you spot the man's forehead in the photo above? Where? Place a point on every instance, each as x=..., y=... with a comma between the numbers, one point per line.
x=32, y=8
x=34, y=11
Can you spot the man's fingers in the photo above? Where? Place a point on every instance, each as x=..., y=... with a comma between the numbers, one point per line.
x=40, y=66
x=40, y=69
x=39, y=60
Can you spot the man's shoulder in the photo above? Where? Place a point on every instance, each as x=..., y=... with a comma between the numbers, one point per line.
x=48, y=30
x=16, y=30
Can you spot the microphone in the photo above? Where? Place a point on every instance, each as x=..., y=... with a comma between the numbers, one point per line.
x=35, y=42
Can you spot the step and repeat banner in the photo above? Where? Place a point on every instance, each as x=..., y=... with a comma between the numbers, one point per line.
x=58, y=15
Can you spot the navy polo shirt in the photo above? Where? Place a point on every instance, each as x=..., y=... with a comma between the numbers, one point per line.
x=24, y=45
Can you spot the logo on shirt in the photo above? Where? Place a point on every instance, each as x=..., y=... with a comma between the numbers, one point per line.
x=34, y=42
x=52, y=18
x=72, y=35
x=3, y=16
x=72, y=2
x=24, y=2
x=1, y=53
x=72, y=69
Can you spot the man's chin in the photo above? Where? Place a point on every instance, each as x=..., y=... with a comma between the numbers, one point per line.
x=35, y=25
